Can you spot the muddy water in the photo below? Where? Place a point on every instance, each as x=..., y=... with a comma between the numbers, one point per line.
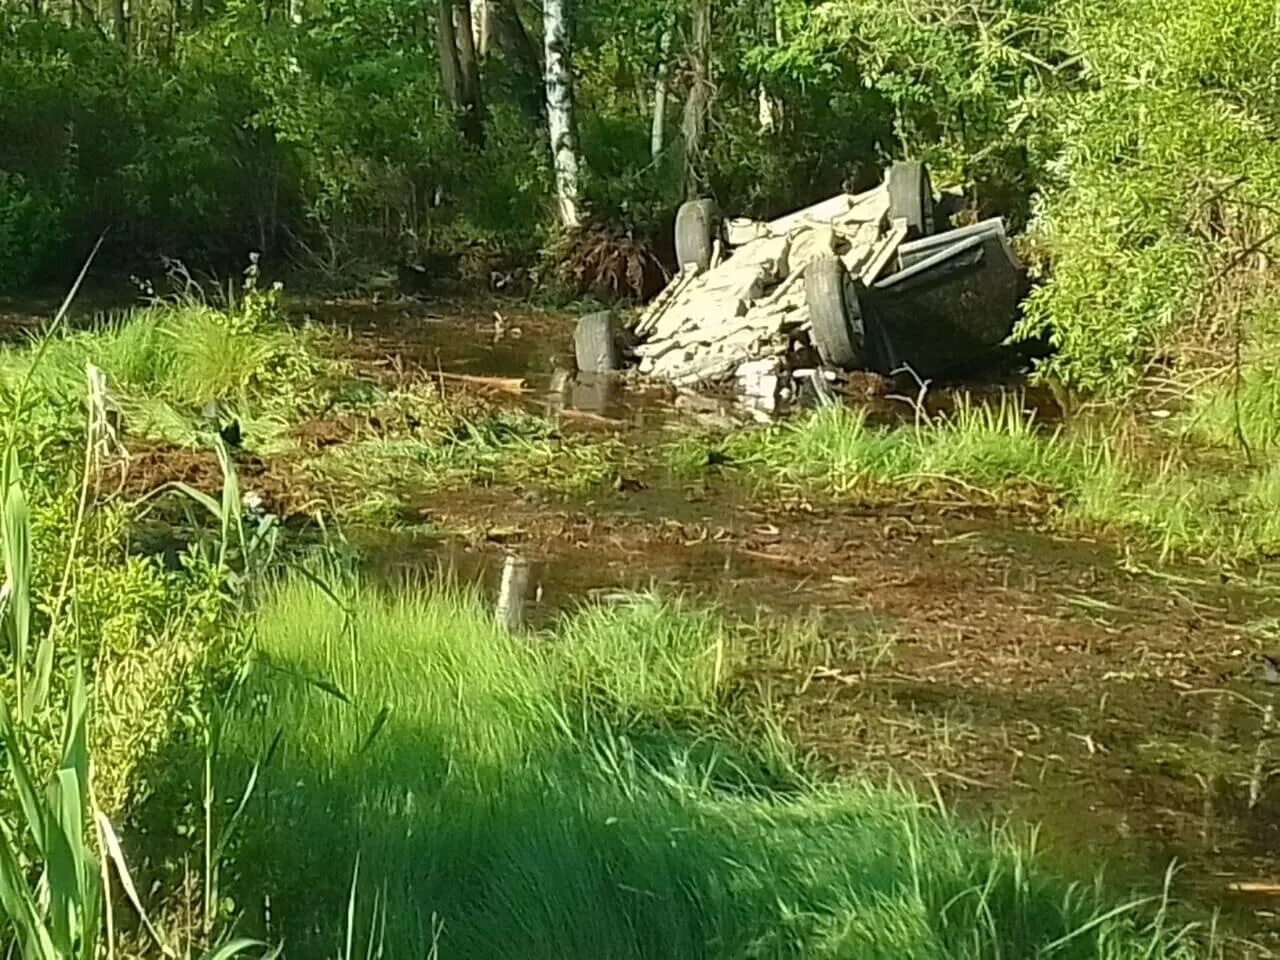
x=511, y=341
x=1119, y=706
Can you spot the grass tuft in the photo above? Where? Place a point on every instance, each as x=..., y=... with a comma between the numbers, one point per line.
x=546, y=797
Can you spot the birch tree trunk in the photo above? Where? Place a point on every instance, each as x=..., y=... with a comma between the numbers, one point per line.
x=120, y=20
x=559, y=83
x=480, y=10
x=768, y=106
x=658, y=133
x=694, y=125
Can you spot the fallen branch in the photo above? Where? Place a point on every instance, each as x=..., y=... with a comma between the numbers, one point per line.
x=506, y=384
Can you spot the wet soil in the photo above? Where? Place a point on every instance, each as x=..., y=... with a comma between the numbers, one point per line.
x=151, y=466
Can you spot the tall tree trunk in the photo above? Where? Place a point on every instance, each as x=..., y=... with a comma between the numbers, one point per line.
x=559, y=83
x=658, y=132
x=480, y=24
x=521, y=56
x=694, y=125
x=768, y=106
x=460, y=73
x=469, y=68
x=120, y=20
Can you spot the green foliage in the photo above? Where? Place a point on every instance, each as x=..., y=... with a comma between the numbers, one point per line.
x=31, y=227
x=53, y=891
x=647, y=659
x=499, y=806
x=1166, y=178
x=165, y=362
x=1178, y=499
x=448, y=448
x=1148, y=170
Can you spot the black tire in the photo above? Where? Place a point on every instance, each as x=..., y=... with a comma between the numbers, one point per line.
x=697, y=226
x=595, y=343
x=834, y=312
x=911, y=197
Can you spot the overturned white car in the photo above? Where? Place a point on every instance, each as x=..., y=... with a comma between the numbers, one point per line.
x=858, y=281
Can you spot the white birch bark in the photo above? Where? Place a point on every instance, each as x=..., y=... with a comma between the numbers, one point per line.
x=480, y=24
x=658, y=133
x=559, y=81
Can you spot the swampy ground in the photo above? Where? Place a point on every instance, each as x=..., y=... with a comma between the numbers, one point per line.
x=1115, y=700
x=967, y=646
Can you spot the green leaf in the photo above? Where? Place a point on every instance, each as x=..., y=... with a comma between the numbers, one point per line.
x=198, y=496
x=24, y=782
x=320, y=683
x=228, y=832
x=379, y=722
x=111, y=843
x=64, y=854
x=17, y=569
x=75, y=734
x=19, y=906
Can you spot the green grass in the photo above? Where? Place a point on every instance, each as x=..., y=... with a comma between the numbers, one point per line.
x=164, y=362
x=1182, y=499
x=583, y=794
x=487, y=449
x=1222, y=412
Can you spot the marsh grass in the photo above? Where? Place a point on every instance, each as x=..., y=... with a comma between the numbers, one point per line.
x=487, y=449
x=584, y=794
x=59, y=854
x=1173, y=497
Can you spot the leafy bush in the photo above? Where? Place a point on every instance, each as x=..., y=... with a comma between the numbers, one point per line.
x=1165, y=181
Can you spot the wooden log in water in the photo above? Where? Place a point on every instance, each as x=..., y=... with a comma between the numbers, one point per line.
x=513, y=593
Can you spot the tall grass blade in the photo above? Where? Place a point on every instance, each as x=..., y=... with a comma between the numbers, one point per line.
x=197, y=496
x=228, y=832
x=351, y=909
x=235, y=948
x=18, y=904
x=24, y=783
x=64, y=859
x=1100, y=920
x=320, y=683
x=75, y=287
x=17, y=569
x=111, y=844
x=379, y=722
x=19, y=407
x=230, y=499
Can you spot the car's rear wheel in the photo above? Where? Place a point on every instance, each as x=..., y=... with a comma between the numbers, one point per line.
x=834, y=312
x=697, y=226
